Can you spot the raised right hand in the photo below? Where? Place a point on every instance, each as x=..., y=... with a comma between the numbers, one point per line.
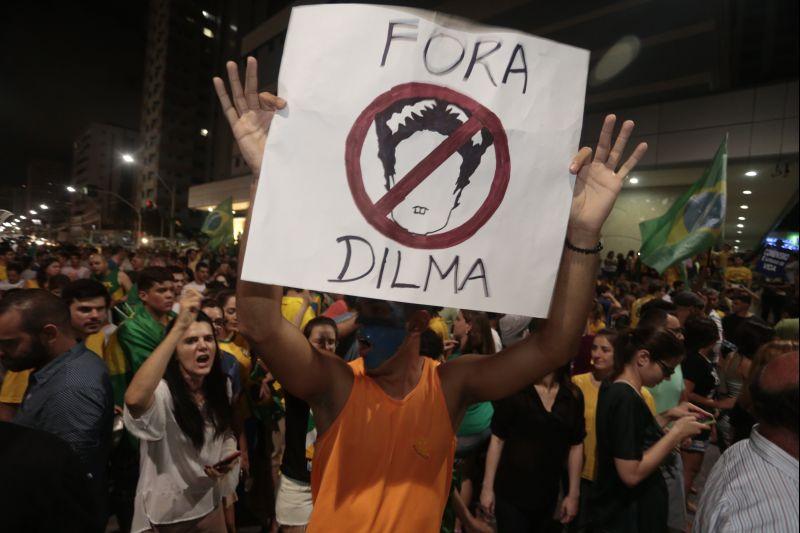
x=250, y=114
x=190, y=306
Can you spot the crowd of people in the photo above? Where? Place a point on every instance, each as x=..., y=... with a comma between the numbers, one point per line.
x=153, y=387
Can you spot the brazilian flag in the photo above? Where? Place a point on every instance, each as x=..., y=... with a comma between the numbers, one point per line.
x=693, y=223
x=219, y=225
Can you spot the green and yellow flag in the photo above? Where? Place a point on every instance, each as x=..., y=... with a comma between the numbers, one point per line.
x=693, y=223
x=219, y=225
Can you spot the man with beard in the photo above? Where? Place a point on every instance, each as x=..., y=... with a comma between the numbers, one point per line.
x=69, y=392
x=88, y=302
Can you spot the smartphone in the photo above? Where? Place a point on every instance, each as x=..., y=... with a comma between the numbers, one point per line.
x=228, y=460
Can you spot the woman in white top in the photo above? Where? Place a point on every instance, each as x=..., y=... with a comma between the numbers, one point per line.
x=178, y=407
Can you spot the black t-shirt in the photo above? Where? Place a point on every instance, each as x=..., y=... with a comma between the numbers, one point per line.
x=294, y=463
x=702, y=373
x=625, y=430
x=536, y=446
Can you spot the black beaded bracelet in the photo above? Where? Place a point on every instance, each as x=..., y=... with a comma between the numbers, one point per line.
x=588, y=251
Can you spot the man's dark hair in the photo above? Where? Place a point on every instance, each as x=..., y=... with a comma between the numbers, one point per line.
x=150, y=276
x=430, y=344
x=38, y=308
x=85, y=289
x=699, y=332
x=175, y=269
x=57, y=282
x=16, y=267
x=207, y=303
x=653, y=317
x=436, y=117
x=320, y=321
x=202, y=264
x=658, y=303
x=655, y=286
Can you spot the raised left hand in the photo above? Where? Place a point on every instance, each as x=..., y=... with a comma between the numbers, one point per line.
x=598, y=182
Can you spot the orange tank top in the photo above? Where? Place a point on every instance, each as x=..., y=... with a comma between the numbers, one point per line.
x=385, y=465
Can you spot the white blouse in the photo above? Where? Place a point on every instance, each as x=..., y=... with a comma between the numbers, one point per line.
x=172, y=484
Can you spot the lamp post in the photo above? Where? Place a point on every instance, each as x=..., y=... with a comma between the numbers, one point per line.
x=129, y=159
x=71, y=189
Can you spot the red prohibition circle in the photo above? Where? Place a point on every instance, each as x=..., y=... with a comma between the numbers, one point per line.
x=379, y=220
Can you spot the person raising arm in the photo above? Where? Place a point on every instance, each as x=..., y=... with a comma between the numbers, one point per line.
x=392, y=363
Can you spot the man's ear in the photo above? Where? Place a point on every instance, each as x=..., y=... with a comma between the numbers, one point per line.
x=642, y=357
x=49, y=333
x=143, y=295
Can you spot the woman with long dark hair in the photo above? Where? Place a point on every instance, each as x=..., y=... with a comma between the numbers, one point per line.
x=630, y=494
x=602, y=365
x=178, y=406
x=48, y=267
x=536, y=433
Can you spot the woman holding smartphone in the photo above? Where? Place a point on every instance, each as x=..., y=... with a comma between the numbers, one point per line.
x=630, y=494
x=177, y=405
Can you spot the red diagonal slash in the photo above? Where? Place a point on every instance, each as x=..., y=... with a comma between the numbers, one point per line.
x=424, y=168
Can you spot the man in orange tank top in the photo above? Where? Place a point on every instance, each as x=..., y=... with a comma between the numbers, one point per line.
x=387, y=422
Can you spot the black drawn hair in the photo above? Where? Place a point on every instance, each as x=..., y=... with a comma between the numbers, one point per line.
x=436, y=117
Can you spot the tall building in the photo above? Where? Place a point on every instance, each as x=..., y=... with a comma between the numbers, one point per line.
x=98, y=163
x=187, y=44
x=687, y=72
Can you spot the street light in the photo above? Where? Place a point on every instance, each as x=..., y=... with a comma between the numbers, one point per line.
x=129, y=160
x=72, y=189
x=32, y=212
x=43, y=207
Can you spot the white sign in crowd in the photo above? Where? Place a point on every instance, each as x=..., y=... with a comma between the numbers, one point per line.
x=419, y=159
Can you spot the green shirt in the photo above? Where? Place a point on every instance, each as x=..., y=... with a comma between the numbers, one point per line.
x=667, y=394
x=139, y=335
x=478, y=416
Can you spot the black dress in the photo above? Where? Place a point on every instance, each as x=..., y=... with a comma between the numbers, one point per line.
x=537, y=444
x=625, y=430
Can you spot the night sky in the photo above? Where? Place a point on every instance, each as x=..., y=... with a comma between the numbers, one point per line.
x=62, y=66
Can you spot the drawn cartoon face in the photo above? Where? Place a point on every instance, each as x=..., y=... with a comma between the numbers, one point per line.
x=407, y=132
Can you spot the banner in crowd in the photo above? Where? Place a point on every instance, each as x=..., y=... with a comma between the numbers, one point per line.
x=420, y=158
x=772, y=262
x=218, y=225
x=693, y=223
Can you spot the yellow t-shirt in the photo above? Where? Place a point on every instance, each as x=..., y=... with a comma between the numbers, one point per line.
x=14, y=386
x=740, y=274
x=290, y=306
x=242, y=355
x=590, y=394
x=3, y=273
x=593, y=328
x=96, y=342
x=439, y=326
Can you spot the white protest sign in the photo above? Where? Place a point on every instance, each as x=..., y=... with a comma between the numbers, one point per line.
x=418, y=161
